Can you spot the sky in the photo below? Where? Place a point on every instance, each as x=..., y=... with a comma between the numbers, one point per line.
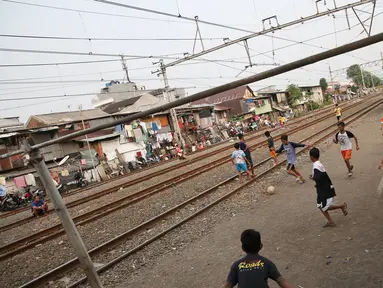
x=146, y=28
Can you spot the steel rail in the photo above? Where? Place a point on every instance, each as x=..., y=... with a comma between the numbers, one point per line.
x=203, y=94
x=29, y=240
x=90, y=187
x=122, y=237
x=52, y=232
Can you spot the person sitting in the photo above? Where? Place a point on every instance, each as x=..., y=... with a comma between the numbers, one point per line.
x=39, y=207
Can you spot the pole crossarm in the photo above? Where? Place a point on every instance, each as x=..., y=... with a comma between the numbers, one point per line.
x=206, y=93
x=266, y=31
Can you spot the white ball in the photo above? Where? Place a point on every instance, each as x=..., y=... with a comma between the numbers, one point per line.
x=271, y=190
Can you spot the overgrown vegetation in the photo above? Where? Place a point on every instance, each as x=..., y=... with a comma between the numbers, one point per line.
x=354, y=72
x=294, y=95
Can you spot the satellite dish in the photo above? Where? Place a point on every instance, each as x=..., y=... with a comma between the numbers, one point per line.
x=63, y=160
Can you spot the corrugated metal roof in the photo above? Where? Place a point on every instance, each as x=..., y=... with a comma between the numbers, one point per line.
x=68, y=117
x=99, y=138
x=145, y=102
x=8, y=135
x=235, y=93
x=6, y=123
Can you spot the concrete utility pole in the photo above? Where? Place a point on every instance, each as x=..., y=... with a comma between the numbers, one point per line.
x=173, y=114
x=372, y=81
x=65, y=218
x=361, y=73
x=125, y=67
x=381, y=56
x=329, y=69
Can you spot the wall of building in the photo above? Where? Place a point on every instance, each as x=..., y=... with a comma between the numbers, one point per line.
x=317, y=95
x=127, y=150
x=267, y=108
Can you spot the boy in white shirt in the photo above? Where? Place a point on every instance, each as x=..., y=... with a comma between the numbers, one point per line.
x=343, y=137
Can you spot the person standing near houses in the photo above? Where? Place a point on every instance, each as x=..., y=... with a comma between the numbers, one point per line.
x=238, y=158
x=338, y=112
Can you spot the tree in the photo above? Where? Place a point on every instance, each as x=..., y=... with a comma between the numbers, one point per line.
x=323, y=84
x=294, y=94
x=354, y=72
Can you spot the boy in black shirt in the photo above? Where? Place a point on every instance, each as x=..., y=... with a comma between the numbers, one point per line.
x=247, y=151
x=325, y=189
x=253, y=270
x=270, y=144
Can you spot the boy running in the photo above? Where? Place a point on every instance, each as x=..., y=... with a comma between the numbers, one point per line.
x=325, y=189
x=338, y=112
x=270, y=143
x=253, y=270
x=247, y=151
x=239, y=160
x=343, y=137
x=289, y=148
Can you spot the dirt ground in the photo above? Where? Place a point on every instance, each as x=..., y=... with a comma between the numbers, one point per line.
x=348, y=256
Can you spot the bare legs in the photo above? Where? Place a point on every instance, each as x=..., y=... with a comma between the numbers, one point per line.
x=330, y=222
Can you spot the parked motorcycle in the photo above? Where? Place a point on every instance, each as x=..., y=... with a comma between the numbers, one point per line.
x=11, y=201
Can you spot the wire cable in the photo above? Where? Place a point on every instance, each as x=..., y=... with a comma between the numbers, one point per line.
x=54, y=64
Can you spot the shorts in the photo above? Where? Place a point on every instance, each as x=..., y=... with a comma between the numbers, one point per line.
x=273, y=154
x=338, y=117
x=290, y=167
x=241, y=167
x=346, y=154
x=326, y=204
x=248, y=158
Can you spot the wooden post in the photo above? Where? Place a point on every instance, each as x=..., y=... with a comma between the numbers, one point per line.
x=65, y=218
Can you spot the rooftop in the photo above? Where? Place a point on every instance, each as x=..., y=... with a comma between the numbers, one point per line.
x=69, y=117
x=10, y=122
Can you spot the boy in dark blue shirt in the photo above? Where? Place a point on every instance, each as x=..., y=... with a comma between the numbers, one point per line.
x=39, y=207
x=253, y=270
x=244, y=148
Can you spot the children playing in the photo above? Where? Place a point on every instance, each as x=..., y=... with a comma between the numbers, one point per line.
x=289, y=148
x=338, y=112
x=343, y=137
x=247, y=151
x=239, y=160
x=325, y=189
x=253, y=270
x=270, y=144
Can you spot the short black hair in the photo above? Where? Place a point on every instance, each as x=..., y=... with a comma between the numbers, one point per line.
x=240, y=136
x=236, y=145
x=314, y=153
x=251, y=241
x=267, y=133
x=336, y=104
x=285, y=137
x=341, y=124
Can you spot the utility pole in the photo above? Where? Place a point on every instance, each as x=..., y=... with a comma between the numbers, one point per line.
x=65, y=218
x=329, y=69
x=173, y=115
x=125, y=67
x=381, y=56
x=361, y=73
x=372, y=81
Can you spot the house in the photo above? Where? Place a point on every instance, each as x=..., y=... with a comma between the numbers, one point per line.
x=54, y=125
x=313, y=93
x=235, y=98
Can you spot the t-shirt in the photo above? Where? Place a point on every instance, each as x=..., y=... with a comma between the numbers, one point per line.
x=338, y=111
x=289, y=148
x=381, y=121
x=344, y=139
x=270, y=142
x=239, y=157
x=243, y=147
x=252, y=271
x=324, y=187
x=38, y=203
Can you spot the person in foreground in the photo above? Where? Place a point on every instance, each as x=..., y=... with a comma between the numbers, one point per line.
x=39, y=207
x=291, y=155
x=343, y=137
x=325, y=189
x=238, y=158
x=253, y=270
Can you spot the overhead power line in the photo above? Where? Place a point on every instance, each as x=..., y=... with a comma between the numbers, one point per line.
x=93, y=12
x=58, y=63
x=103, y=39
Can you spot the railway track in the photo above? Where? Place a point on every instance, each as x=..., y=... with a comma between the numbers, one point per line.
x=124, y=237
x=52, y=232
x=177, y=166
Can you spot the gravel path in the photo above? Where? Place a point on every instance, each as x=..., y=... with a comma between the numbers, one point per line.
x=107, y=227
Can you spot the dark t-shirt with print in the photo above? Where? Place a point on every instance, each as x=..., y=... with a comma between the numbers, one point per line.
x=252, y=271
x=243, y=147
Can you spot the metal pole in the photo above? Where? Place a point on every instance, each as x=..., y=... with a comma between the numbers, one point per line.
x=65, y=218
x=218, y=89
x=125, y=67
x=372, y=81
x=87, y=142
x=381, y=56
x=361, y=73
x=329, y=69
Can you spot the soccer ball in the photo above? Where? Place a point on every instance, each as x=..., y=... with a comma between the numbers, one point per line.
x=270, y=190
